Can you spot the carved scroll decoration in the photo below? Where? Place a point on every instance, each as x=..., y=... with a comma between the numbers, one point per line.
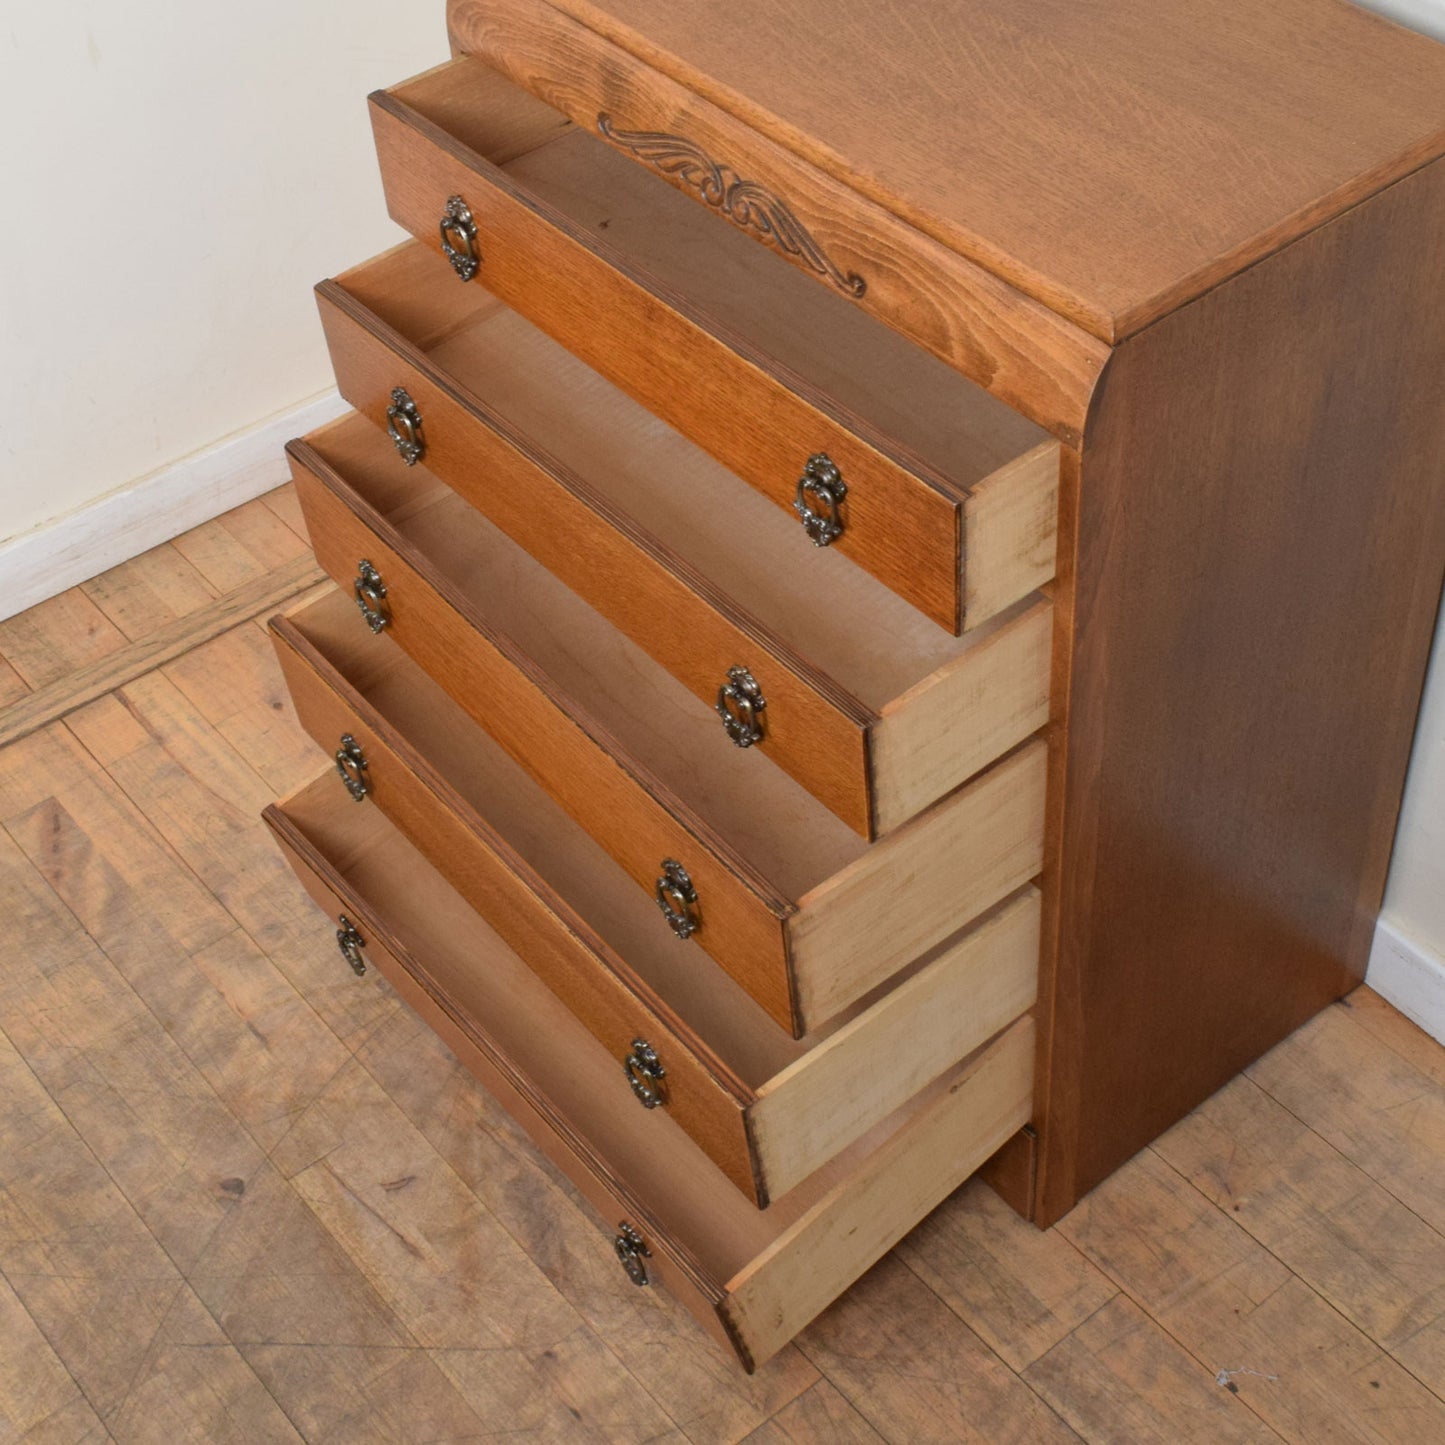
x=744, y=203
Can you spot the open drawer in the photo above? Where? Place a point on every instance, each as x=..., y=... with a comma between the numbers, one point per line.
x=874, y=710
x=790, y=901
x=766, y=1109
x=754, y=1279
x=869, y=445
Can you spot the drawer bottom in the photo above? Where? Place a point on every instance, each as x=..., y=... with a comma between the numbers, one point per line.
x=754, y=1279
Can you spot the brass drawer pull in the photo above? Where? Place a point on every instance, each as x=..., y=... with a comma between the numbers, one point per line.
x=403, y=426
x=678, y=899
x=645, y=1073
x=632, y=1250
x=821, y=482
x=459, y=238
x=371, y=596
x=351, y=767
x=739, y=701
x=350, y=942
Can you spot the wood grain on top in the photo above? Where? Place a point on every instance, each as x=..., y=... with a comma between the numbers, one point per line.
x=1113, y=159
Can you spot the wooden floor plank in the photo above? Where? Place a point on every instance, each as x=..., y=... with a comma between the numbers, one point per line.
x=235, y=683
x=1118, y=1379
x=115, y=667
x=1391, y=1028
x=444, y=1264
x=204, y=801
x=52, y=640
x=39, y=1399
x=255, y=1041
x=146, y=593
x=310, y=1323
x=114, y=1309
x=365, y=1394
x=12, y=686
x=917, y=1373
x=816, y=1415
x=180, y=1159
x=284, y=502
x=1371, y=1103
x=1020, y=1288
x=700, y=1388
x=241, y=546
x=1257, y=1328
x=1379, y=1264
x=125, y=1087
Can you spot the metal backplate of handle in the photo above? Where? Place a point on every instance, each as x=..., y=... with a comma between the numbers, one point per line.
x=820, y=490
x=371, y=596
x=678, y=899
x=351, y=767
x=632, y=1250
x=645, y=1073
x=739, y=702
x=350, y=942
x=459, y=238
x=403, y=426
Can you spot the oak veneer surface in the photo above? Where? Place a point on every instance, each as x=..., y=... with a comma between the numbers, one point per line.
x=1112, y=159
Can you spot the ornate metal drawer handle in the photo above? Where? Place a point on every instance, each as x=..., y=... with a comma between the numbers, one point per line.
x=351, y=766
x=632, y=1250
x=823, y=483
x=645, y=1073
x=350, y=942
x=403, y=426
x=678, y=899
x=739, y=701
x=371, y=596
x=459, y=238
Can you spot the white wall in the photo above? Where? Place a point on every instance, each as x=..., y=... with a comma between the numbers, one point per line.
x=1426, y=15
x=1415, y=901
x=175, y=178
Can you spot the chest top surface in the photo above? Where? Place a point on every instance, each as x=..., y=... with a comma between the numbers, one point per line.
x=1113, y=158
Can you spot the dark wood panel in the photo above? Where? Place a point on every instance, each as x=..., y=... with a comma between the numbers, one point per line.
x=1256, y=546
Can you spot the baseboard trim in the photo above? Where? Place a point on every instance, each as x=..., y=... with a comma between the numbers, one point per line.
x=72, y=549
x=1410, y=976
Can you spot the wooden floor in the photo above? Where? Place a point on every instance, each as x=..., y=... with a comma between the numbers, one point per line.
x=245, y=1197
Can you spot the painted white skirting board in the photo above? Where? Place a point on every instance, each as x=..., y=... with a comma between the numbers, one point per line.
x=73, y=548
x=1408, y=975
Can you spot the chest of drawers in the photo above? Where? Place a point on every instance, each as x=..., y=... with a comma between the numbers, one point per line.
x=885, y=574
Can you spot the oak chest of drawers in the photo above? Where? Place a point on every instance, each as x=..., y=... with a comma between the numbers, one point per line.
x=885, y=574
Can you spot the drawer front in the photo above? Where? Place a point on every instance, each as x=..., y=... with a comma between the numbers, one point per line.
x=815, y=731
x=614, y=1005
x=666, y=1266
x=1026, y=354
x=633, y=817
x=902, y=522
x=754, y=1280
x=769, y=1113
